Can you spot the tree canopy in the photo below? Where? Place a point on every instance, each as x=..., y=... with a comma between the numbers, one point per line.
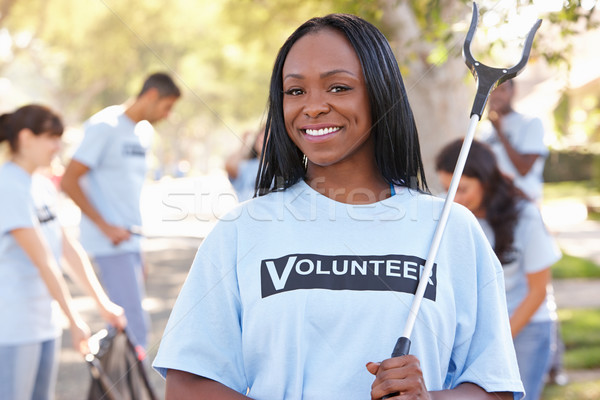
x=80, y=56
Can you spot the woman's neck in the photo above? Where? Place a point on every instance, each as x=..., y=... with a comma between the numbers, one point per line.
x=348, y=185
x=26, y=165
x=480, y=213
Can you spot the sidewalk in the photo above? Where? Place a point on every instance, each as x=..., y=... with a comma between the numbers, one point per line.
x=578, y=237
x=575, y=234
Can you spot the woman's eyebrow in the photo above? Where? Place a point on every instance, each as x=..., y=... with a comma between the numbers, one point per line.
x=296, y=76
x=336, y=71
x=323, y=75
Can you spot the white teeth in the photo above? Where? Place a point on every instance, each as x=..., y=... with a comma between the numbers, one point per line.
x=321, y=132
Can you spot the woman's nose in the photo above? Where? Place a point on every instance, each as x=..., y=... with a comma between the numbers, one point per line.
x=316, y=104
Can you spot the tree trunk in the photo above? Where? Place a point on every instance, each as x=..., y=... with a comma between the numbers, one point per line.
x=439, y=95
x=5, y=6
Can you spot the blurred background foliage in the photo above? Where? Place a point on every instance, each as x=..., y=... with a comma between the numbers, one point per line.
x=80, y=56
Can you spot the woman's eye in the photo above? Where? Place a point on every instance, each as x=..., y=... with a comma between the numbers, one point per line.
x=293, y=92
x=339, y=88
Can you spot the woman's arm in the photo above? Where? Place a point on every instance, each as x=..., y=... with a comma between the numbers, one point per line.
x=34, y=245
x=404, y=375
x=82, y=272
x=470, y=391
x=537, y=283
x=184, y=385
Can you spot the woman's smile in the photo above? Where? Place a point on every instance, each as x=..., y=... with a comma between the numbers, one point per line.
x=320, y=133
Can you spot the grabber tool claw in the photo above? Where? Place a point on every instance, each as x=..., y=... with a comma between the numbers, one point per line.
x=487, y=79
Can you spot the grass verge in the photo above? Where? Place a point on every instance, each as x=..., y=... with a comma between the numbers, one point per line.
x=580, y=333
x=573, y=391
x=579, y=328
x=575, y=267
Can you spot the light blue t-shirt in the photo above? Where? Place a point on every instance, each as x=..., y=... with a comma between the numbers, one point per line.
x=292, y=293
x=526, y=135
x=114, y=148
x=27, y=310
x=534, y=250
x=245, y=181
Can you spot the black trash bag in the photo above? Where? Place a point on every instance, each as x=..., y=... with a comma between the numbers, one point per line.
x=117, y=369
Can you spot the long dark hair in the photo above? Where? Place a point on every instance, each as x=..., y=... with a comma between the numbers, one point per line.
x=397, y=151
x=38, y=119
x=501, y=197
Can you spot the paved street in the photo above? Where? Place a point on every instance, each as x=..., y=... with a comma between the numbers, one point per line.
x=168, y=261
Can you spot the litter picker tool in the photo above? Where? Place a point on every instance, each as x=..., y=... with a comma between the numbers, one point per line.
x=487, y=79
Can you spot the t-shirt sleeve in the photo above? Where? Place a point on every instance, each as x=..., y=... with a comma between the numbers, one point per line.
x=486, y=356
x=540, y=250
x=203, y=335
x=531, y=140
x=16, y=210
x=93, y=145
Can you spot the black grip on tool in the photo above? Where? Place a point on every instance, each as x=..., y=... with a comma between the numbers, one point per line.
x=401, y=348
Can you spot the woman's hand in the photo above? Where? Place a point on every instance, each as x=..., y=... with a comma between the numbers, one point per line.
x=113, y=314
x=80, y=333
x=398, y=375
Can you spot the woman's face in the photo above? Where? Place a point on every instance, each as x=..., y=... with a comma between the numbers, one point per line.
x=469, y=193
x=325, y=101
x=39, y=150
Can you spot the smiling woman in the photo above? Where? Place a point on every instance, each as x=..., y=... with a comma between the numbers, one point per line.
x=295, y=291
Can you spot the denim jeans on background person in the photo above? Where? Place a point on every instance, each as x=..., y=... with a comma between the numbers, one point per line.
x=29, y=370
x=533, y=346
x=122, y=276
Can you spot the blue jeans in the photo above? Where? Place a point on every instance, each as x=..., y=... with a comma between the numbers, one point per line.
x=533, y=346
x=122, y=277
x=29, y=370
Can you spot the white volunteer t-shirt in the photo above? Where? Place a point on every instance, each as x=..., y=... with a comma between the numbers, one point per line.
x=292, y=293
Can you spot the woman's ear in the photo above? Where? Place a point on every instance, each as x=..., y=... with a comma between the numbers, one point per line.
x=24, y=137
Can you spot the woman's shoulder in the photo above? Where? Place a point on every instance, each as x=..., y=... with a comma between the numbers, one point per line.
x=15, y=186
x=13, y=178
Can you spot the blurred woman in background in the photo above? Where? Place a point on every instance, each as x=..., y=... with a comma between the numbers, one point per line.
x=32, y=244
x=514, y=227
